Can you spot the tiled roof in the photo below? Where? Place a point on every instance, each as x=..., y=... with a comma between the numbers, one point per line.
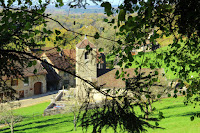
x=28, y=71
x=84, y=43
x=108, y=79
x=70, y=54
x=39, y=51
x=60, y=61
x=64, y=59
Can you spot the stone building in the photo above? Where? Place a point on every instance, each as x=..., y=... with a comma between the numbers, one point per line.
x=65, y=60
x=86, y=66
x=92, y=68
x=28, y=84
x=85, y=62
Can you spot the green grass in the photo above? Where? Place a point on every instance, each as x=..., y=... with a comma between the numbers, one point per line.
x=35, y=109
x=177, y=117
x=153, y=60
x=177, y=120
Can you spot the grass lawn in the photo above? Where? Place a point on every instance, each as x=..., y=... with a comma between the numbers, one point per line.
x=177, y=119
x=152, y=60
x=34, y=109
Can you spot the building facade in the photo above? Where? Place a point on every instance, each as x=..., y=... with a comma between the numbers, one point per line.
x=27, y=84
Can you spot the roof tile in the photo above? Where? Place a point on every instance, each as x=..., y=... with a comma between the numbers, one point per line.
x=108, y=79
x=84, y=43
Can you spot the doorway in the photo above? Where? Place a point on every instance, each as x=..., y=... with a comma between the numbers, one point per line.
x=38, y=88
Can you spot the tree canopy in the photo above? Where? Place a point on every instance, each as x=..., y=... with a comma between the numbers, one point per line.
x=135, y=21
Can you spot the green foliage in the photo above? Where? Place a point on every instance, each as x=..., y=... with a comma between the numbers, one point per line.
x=158, y=96
x=18, y=32
x=96, y=36
x=57, y=32
x=107, y=7
x=121, y=16
x=86, y=24
x=34, y=62
x=114, y=114
x=88, y=48
x=101, y=50
x=35, y=71
x=30, y=64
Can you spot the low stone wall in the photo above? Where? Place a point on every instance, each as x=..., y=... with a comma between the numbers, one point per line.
x=57, y=101
x=53, y=111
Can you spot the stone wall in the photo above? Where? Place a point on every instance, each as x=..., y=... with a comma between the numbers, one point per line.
x=29, y=88
x=58, y=101
x=67, y=80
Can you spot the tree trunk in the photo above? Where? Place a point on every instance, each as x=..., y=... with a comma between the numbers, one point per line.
x=150, y=107
x=146, y=111
x=12, y=125
x=74, y=121
x=12, y=129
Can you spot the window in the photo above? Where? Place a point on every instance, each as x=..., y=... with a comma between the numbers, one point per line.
x=100, y=66
x=86, y=55
x=26, y=81
x=66, y=83
x=21, y=94
x=14, y=82
x=66, y=74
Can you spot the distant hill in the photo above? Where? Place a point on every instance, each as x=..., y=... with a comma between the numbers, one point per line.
x=51, y=9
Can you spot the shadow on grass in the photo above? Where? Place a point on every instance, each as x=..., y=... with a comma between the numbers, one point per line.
x=176, y=106
x=173, y=106
x=70, y=130
x=187, y=114
x=37, y=124
x=28, y=123
x=42, y=126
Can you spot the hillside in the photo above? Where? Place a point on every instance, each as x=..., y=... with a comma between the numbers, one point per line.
x=65, y=10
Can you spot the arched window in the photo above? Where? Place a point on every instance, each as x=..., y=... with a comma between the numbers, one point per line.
x=86, y=55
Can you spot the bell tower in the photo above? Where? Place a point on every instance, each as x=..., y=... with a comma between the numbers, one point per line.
x=85, y=66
